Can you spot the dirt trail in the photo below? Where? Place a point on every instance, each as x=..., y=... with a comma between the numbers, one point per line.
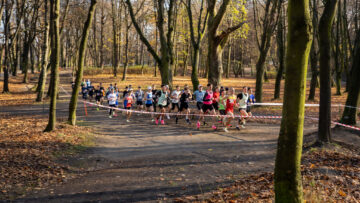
x=139, y=161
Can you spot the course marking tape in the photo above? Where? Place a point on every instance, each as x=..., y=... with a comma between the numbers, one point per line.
x=207, y=115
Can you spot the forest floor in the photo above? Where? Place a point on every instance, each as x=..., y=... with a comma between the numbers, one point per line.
x=138, y=161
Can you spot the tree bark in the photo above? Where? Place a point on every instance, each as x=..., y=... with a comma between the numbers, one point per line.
x=353, y=98
x=288, y=182
x=325, y=24
x=6, y=68
x=281, y=50
x=54, y=61
x=42, y=78
x=115, y=38
x=79, y=72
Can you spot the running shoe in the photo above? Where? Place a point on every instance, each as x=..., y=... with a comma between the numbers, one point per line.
x=226, y=130
x=242, y=126
x=115, y=115
x=214, y=127
x=198, y=125
x=162, y=122
x=188, y=121
x=97, y=109
x=110, y=116
x=128, y=121
x=237, y=128
x=157, y=122
x=152, y=120
x=168, y=117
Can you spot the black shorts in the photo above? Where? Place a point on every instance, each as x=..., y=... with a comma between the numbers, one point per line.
x=207, y=107
x=183, y=106
x=199, y=105
x=222, y=112
x=128, y=108
x=248, y=109
x=98, y=98
x=148, y=105
x=162, y=106
x=112, y=105
x=139, y=103
x=216, y=106
x=173, y=105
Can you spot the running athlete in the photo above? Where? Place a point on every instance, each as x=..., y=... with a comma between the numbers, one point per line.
x=162, y=102
x=154, y=91
x=98, y=96
x=112, y=102
x=175, y=96
x=199, y=96
x=216, y=98
x=242, y=99
x=129, y=101
x=222, y=105
x=208, y=106
x=250, y=101
x=230, y=103
x=184, y=104
x=139, y=95
x=91, y=92
x=84, y=92
x=125, y=93
x=149, y=102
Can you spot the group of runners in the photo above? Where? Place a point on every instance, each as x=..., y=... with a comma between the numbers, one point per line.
x=219, y=103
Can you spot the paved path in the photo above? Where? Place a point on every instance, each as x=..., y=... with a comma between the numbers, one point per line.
x=139, y=161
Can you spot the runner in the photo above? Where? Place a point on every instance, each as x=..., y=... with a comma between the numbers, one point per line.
x=242, y=99
x=162, y=102
x=112, y=102
x=91, y=92
x=230, y=103
x=125, y=93
x=199, y=96
x=207, y=107
x=184, y=105
x=149, y=102
x=139, y=95
x=129, y=101
x=222, y=106
x=250, y=102
x=216, y=98
x=84, y=92
x=98, y=96
x=88, y=83
x=168, y=102
x=175, y=97
x=154, y=91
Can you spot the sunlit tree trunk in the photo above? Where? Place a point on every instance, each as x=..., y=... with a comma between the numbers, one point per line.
x=42, y=78
x=54, y=61
x=79, y=72
x=288, y=182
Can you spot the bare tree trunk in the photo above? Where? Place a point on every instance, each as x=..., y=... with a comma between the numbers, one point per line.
x=326, y=20
x=281, y=49
x=79, y=72
x=42, y=78
x=54, y=61
x=288, y=181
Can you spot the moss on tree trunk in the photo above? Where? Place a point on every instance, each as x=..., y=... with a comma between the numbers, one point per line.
x=288, y=182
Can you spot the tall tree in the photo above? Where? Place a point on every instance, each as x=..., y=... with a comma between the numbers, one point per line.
x=8, y=12
x=314, y=56
x=280, y=39
x=165, y=59
x=325, y=24
x=288, y=182
x=268, y=26
x=44, y=63
x=54, y=61
x=217, y=41
x=114, y=7
x=80, y=69
x=353, y=99
x=196, y=39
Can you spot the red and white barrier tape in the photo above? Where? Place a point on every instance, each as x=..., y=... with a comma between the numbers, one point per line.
x=207, y=115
